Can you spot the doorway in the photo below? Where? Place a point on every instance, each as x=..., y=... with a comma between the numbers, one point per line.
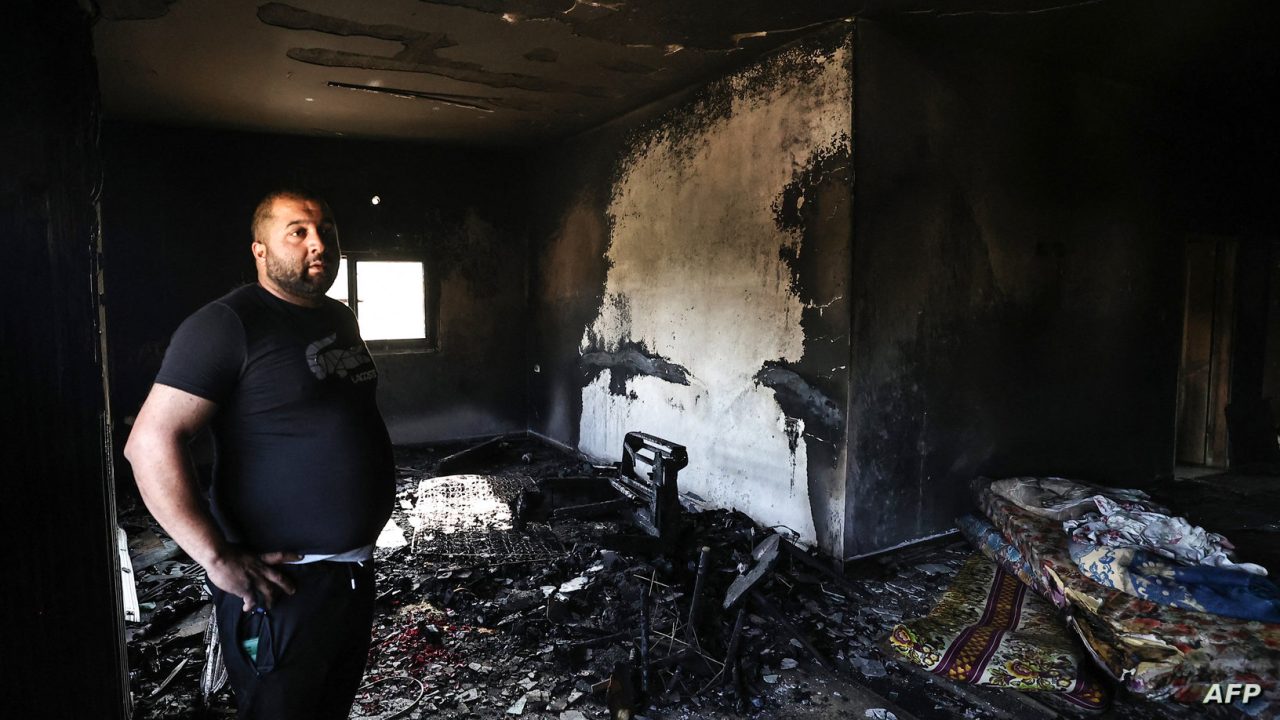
x=1204, y=374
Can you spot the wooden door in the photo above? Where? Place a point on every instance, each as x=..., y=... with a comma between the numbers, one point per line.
x=1204, y=377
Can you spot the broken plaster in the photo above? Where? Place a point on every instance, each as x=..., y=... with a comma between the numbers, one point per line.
x=419, y=53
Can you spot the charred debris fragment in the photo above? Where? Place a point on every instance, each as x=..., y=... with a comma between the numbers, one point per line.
x=519, y=581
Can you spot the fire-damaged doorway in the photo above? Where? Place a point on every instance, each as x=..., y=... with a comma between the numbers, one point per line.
x=1204, y=376
x=1228, y=376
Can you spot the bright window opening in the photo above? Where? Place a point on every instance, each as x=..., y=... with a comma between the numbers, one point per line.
x=391, y=303
x=388, y=296
x=341, y=290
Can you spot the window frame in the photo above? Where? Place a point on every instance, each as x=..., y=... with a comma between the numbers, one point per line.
x=425, y=344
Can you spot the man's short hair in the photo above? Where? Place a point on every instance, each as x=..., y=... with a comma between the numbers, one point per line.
x=262, y=213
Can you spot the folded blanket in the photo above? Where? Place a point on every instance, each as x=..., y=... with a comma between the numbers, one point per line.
x=989, y=630
x=1197, y=587
x=1162, y=534
x=1155, y=650
x=994, y=547
x=1062, y=499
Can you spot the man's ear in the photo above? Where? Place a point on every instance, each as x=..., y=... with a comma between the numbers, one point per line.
x=258, y=249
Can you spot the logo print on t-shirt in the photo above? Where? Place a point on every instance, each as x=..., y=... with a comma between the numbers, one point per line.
x=327, y=361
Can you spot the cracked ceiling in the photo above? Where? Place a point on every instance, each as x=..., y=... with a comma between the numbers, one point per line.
x=520, y=72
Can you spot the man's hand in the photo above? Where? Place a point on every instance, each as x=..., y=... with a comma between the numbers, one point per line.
x=254, y=578
x=157, y=449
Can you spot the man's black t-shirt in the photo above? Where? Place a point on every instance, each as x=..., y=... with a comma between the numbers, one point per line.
x=303, y=459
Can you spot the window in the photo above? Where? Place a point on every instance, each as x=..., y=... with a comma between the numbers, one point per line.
x=389, y=299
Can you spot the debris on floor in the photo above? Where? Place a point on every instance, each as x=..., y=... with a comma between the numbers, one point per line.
x=167, y=642
x=496, y=606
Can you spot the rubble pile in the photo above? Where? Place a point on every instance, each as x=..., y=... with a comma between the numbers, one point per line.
x=570, y=631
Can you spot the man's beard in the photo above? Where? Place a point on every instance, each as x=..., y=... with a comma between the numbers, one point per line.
x=298, y=280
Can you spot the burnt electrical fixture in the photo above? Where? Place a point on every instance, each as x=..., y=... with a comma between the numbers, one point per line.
x=646, y=485
x=657, y=489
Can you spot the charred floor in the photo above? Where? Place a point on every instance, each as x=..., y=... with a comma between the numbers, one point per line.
x=494, y=602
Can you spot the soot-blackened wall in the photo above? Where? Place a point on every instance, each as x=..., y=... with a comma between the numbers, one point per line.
x=1016, y=282
x=690, y=280
x=176, y=216
x=63, y=656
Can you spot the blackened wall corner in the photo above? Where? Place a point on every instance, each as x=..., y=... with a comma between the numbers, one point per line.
x=1016, y=290
x=63, y=619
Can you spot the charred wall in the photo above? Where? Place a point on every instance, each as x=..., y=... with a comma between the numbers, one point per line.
x=176, y=216
x=690, y=279
x=1017, y=280
x=62, y=602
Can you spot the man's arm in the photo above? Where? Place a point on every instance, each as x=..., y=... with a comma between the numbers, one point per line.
x=157, y=450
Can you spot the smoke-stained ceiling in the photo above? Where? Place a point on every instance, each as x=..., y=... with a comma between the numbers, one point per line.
x=445, y=70
x=527, y=71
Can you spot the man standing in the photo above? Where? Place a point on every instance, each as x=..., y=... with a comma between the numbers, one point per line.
x=303, y=478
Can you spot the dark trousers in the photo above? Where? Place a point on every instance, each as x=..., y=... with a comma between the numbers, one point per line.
x=311, y=646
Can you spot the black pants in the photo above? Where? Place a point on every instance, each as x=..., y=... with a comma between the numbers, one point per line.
x=311, y=646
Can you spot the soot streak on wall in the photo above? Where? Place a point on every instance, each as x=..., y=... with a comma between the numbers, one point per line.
x=632, y=359
x=817, y=206
x=698, y=290
x=1017, y=283
x=176, y=218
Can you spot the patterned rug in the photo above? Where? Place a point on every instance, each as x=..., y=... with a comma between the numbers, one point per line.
x=989, y=630
x=1157, y=651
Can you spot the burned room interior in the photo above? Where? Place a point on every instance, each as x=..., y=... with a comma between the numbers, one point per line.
x=741, y=359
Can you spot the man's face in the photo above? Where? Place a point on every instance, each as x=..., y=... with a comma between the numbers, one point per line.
x=299, y=253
